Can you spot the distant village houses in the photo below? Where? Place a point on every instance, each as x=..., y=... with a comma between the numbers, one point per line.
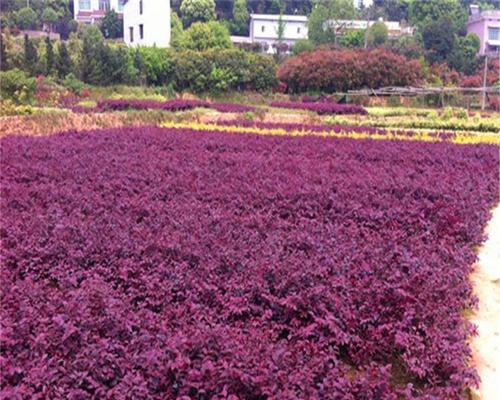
x=265, y=28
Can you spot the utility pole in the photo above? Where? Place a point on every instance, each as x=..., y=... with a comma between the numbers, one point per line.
x=485, y=76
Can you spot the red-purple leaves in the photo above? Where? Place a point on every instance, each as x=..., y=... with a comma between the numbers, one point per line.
x=170, y=105
x=321, y=107
x=150, y=263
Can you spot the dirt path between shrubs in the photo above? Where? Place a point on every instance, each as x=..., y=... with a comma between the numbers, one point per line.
x=486, y=280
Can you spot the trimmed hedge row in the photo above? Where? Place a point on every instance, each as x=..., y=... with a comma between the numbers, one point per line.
x=211, y=70
x=341, y=70
x=171, y=105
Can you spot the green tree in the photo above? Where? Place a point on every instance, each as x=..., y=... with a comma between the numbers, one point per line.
x=26, y=18
x=30, y=56
x=206, y=35
x=353, y=38
x=324, y=18
x=89, y=62
x=423, y=13
x=4, y=63
x=377, y=34
x=302, y=46
x=240, y=17
x=439, y=39
x=197, y=11
x=281, y=46
x=49, y=56
x=176, y=31
x=464, y=56
x=50, y=17
x=64, y=65
x=112, y=25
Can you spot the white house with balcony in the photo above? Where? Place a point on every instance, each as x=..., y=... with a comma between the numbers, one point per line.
x=146, y=23
x=92, y=11
x=264, y=29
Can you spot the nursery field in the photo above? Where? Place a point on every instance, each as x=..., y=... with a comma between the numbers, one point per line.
x=238, y=259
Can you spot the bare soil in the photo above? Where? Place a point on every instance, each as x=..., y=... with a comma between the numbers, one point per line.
x=486, y=279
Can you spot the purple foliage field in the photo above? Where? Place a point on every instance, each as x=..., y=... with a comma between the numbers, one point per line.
x=321, y=108
x=150, y=263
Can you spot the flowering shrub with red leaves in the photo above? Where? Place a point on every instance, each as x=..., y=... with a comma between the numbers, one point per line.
x=321, y=108
x=150, y=263
x=447, y=76
x=231, y=107
x=318, y=99
x=492, y=77
x=170, y=105
x=341, y=70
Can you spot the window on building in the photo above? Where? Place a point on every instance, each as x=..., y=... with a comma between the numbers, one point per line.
x=120, y=5
x=84, y=4
x=131, y=33
x=493, y=33
x=298, y=29
x=263, y=28
x=104, y=5
x=141, y=31
x=140, y=6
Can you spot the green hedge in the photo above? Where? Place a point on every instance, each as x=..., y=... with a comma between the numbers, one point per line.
x=221, y=70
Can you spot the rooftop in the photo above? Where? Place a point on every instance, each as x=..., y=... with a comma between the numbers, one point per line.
x=494, y=14
x=276, y=17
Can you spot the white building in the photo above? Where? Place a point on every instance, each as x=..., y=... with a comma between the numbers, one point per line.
x=146, y=23
x=362, y=3
x=91, y=11
x=394, y=28
x=264, y=29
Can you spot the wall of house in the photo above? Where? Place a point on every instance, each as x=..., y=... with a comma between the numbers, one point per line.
x=268, y=29
x=480, y=24
x=362, y=3
x=90, y=11
x=155, y=19
x=265, y=31
x=479, y=28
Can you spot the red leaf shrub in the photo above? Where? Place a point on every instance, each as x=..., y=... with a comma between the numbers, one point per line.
x=149, y=263
x=321, y=107
x=171, y=105
x=231, y=107
x=127, y=104
x=494, y=102
x=492, y=77
x=341, y=70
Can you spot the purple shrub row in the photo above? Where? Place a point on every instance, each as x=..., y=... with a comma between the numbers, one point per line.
x=336, y=128
x=321, y=108
x=318, y=99
x=170, y=105
x=231, y=107
x=150, y=263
